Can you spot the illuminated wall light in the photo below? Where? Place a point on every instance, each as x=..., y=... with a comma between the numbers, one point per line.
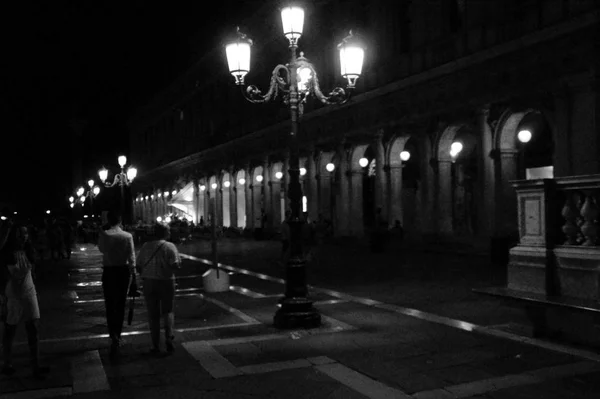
x=278, y=175
x=363, y=162
x=159, y=195
x=146, y=198
x=173, y=192
x=405, y=156
x=214, y=186
x=455, y=148
x=242, y=181
x=330, y=167
x=166, y=193
x=202, y=187
x=524, y=136
x=159, y=219
x=227, y=184
x=302, y=171
x=259, y=178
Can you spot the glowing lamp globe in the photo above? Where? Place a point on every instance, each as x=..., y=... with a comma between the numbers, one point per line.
x=214, y=186
x=227, y=184
x=292, y=22
x=363, y=162
x=238, y=57
x=278, y=175
x=330, y=167
x=524, y=136
x=242, y=181
x=404, y=156
x=159, y=219
x=302, y=171
x=96, y=190
x=173, y=192
x=103, y=174
x=90, y=183
x=80, y=191
x=122, y=160
x=131, y=173
x=259, y=178
x=352, y=55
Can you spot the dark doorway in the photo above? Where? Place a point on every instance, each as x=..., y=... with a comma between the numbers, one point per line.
x=369, y=189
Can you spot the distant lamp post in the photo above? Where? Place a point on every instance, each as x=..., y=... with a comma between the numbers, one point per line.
x=48, y=212
x=295, y=81
x=91, y=194
x=524, y=136
x=122, y=178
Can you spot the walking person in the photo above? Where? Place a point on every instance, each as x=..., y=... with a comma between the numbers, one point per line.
x=156, y=263
x=118, y=272
x=18, y=302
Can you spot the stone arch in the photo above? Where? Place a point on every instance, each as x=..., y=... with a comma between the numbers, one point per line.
x=277, y=193
x=444, y=141
x=323, y=159
x=258, y=170
x=393, y=149
x=356, y=154
x=505, y=136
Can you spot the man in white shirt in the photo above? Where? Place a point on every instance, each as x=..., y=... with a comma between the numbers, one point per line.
x=118, y=264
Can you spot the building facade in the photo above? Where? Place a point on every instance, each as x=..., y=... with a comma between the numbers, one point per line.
x=436, y=73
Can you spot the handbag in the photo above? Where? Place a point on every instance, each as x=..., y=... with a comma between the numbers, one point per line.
x=133, y=288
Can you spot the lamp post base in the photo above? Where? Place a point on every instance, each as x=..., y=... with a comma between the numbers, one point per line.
x=296, y=313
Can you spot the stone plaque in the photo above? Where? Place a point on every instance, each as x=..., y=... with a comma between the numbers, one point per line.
x=532, y=217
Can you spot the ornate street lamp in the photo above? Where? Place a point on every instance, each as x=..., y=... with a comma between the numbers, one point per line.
x=122, y=179
x=295, y=82
x=91, y=194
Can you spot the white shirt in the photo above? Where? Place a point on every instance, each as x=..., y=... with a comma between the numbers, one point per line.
x=117, y=248
x=158, y=259
x=20, y=284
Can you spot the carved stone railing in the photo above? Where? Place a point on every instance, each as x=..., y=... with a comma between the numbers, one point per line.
x=559, y=248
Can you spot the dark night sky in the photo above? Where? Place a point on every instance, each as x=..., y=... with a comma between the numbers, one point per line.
x=96, y=60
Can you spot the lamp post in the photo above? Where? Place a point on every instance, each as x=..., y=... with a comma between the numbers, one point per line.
x=122, y=179
x=295, y=82
x=91, y=194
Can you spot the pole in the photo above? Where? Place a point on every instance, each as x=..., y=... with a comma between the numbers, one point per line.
x=296, y=309
x=122, y=200
x=92, y=203
x=213, y=233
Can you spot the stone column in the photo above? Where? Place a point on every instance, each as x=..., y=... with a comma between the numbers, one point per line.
x=485, y=184
x=233, y=218
x=218, y=193
x=343, y=196
x=356, y=207
x=312, y=193
x=444, y=197
x=379, y=173
x=563, y=163
x=249, y=199
x=275, y=190
x=267, y=203
x=286, y=180
x=207, y=215
x=506, y=196
x=325, y=188
x=396, y=206
x=197, y=201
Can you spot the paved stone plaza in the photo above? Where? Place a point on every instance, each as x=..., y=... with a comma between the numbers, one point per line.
x=395, y=325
